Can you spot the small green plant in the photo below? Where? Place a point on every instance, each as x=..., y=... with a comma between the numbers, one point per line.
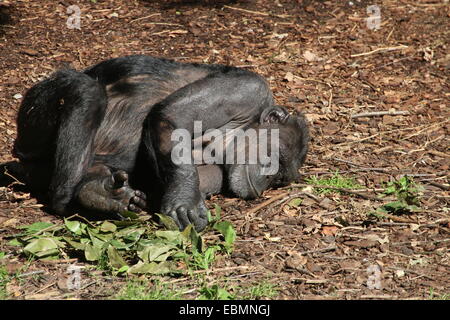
x=202, y=257
x=406, y=192
x=214, y=293
x=336, y=181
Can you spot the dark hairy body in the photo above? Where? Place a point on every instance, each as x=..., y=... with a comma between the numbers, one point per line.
x=99, y=141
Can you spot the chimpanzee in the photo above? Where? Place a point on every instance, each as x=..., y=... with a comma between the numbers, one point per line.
x=94, y=139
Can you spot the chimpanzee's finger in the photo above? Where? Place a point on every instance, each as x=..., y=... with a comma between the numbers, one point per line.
x=139, y=202
x=182, y=217
x=134, y=208
x=198, y=219
x=141, y=195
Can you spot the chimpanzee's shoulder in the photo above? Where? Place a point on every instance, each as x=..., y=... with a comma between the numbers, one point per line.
x=111, y=70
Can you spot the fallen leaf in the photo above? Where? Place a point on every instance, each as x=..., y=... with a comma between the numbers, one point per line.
x=289, y=76
x=310, y=56
x=329, y=230
x=361, y=243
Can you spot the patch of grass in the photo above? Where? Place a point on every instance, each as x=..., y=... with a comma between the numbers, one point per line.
x=261, y=290
x=434, y=296
x=4, y=279
x=336, y=181
x=138, y=290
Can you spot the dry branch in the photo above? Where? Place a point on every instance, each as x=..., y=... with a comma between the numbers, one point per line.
x=380, y=113
x=379, y=50
x=258, y=12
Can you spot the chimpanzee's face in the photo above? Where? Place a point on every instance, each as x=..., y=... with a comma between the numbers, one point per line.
x=280, y=155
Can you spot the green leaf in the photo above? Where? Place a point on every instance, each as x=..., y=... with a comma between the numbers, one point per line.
x=227, y=230
x=215, y=293
x=394, y=206
x=42, y=247
x=123, y=269
x=295, y=202
x=115, y=260
x=92, y=253
x=73, y=226
x=156, y=252
x=98, y=239
x=15, y=242
x=130, y=214
x=196, y=239
x=134, y=235
x=42, y=244
x=169, y=235
x=37, y=226
x=75, y=244
x=108, y=227
x=119, y=244
x=218, y=211
x=167, y=222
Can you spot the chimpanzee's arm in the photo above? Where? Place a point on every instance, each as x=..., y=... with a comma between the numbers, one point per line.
x=222, y=100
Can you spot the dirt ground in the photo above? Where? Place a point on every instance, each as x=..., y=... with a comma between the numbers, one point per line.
x=324, y=58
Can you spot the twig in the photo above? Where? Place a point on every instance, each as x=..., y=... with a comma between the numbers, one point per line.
x=265, y=203
x=258, y=12
x=23, y=275
x=356, y=193
x=426, y=129
x=62, y=261
x=165, y=24
x=331, y=248
x=444, y=187
x=380, y=113
x=16, y=181
x=418, y=242
x=438, y=153
x=377, y=297
x=314, y=80
x=42, y=289
x=178, y=31
x=76, y=215
x=379, y=50
x=395, y=218
x=146, y=17
x=221, y=269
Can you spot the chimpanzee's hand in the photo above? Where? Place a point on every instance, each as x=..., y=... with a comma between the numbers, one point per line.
x=111, y=195
x=186, y=206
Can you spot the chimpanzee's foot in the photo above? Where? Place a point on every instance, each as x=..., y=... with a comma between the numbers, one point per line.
x=111, y=195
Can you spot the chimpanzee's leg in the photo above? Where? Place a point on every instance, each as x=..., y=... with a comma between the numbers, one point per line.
x=230, y=100
x=57, y=123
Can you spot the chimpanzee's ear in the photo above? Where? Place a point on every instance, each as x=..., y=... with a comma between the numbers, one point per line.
x=275, y=114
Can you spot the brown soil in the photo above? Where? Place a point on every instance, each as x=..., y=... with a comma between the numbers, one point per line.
x=319, y=57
